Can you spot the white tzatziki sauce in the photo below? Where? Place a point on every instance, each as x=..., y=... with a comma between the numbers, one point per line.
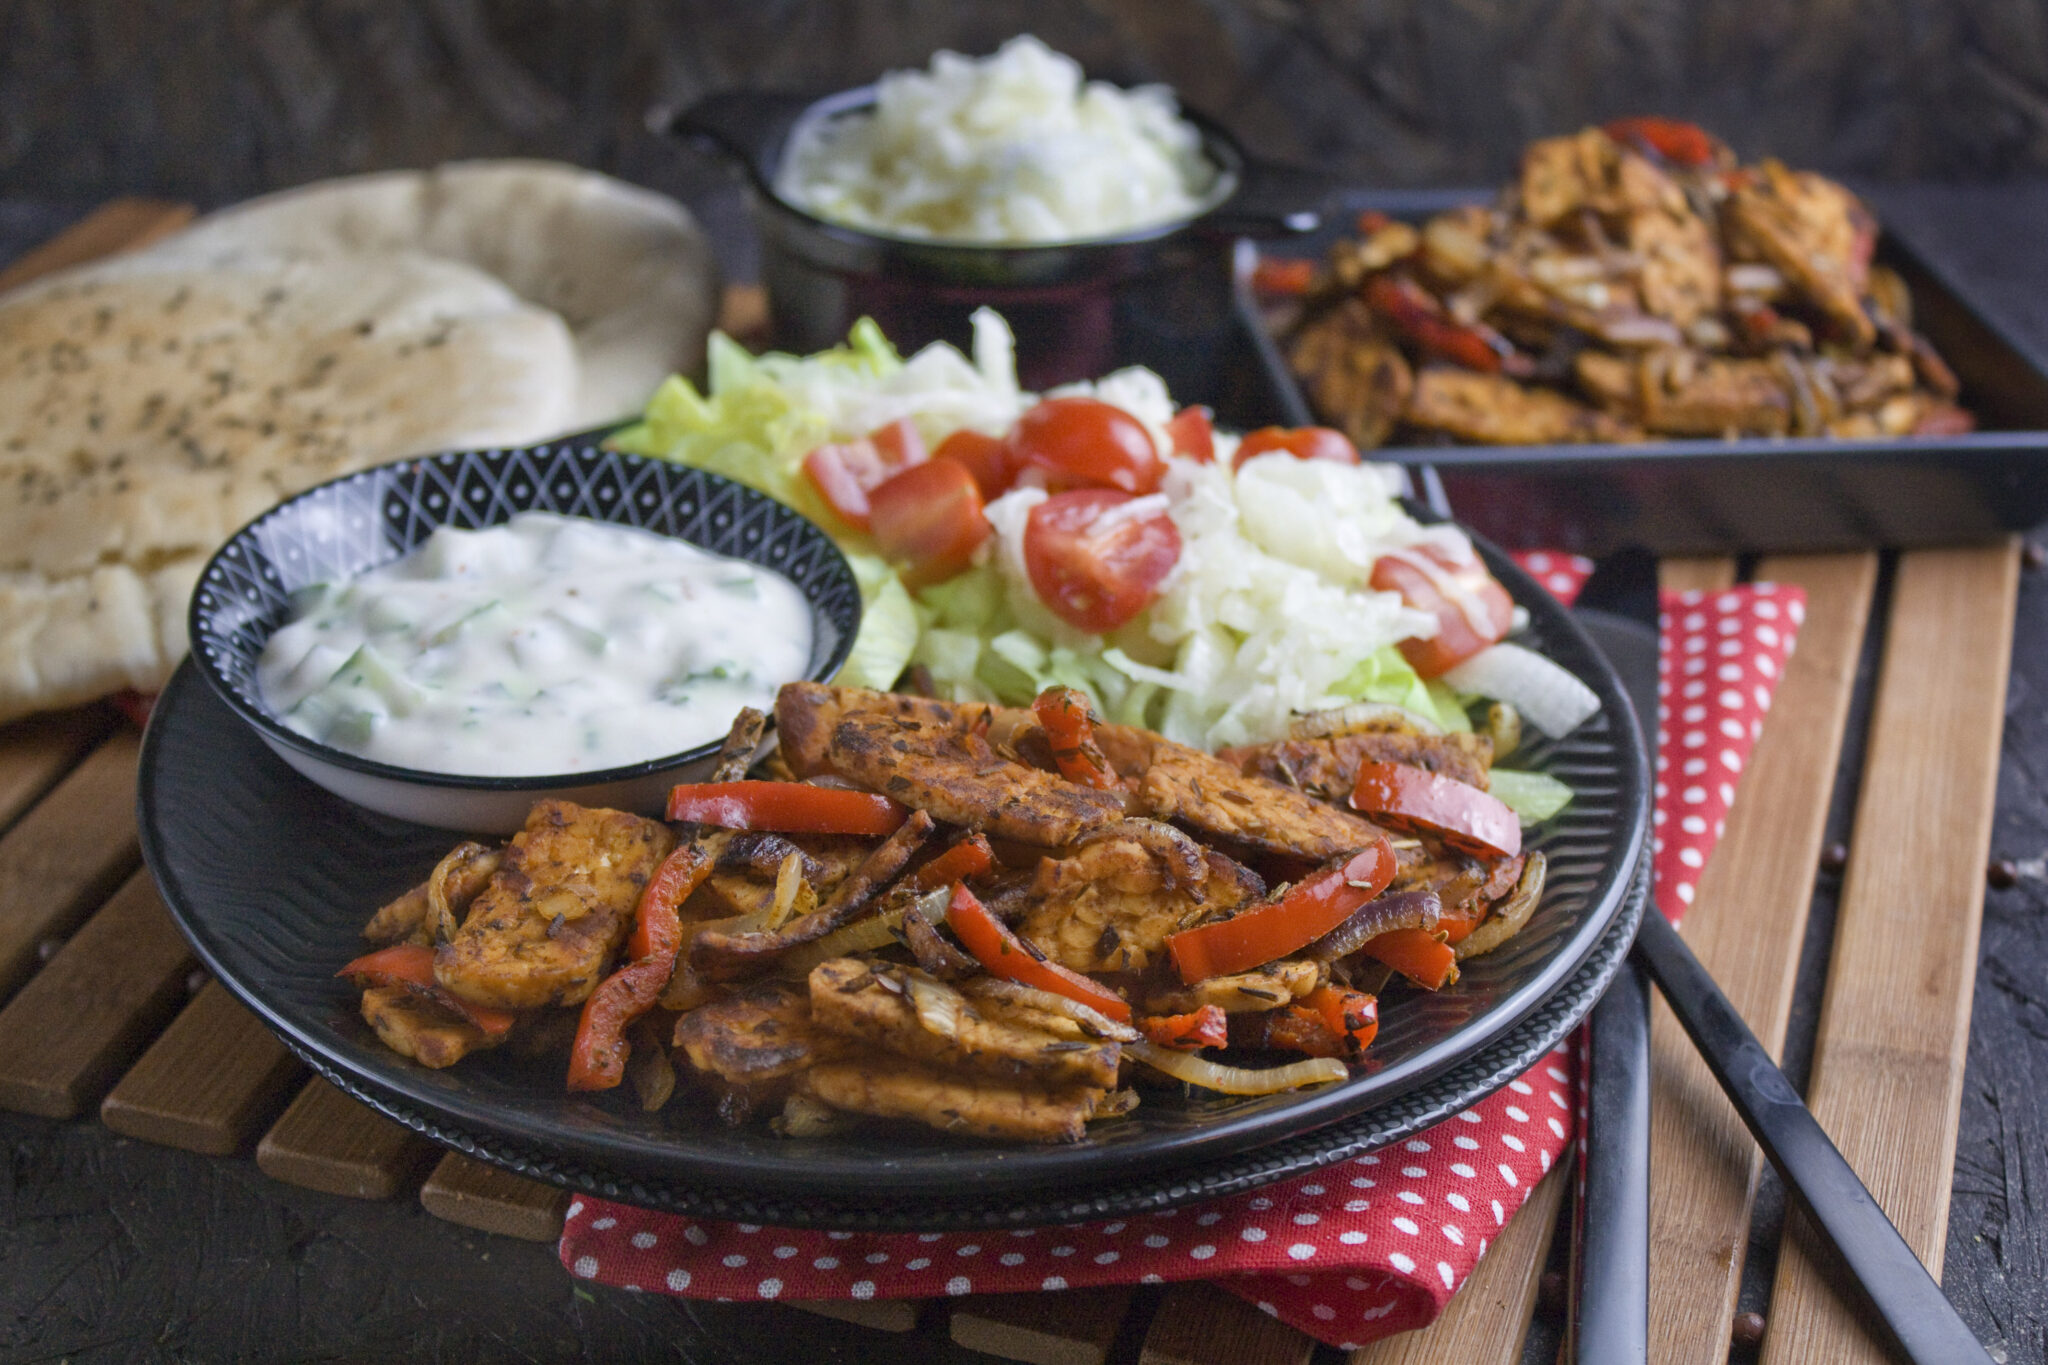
x=547, y=645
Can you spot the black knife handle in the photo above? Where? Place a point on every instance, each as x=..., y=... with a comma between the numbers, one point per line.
x=1613, y=1299
x=1904, y=1296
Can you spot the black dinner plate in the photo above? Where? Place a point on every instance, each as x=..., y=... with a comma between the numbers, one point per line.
x=272, y=879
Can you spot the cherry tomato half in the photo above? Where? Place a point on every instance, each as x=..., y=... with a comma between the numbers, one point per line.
x=1472, y=611
x=846, y=472
x=1193, y=434
x=930, y=517
x=987, y=458
x=1094, y=568
x=1087, y=443
x=1303, y=443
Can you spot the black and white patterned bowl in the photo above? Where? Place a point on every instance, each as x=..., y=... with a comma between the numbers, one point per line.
x=369, y=518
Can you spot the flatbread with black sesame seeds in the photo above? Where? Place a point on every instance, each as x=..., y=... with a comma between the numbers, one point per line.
x=150, y=405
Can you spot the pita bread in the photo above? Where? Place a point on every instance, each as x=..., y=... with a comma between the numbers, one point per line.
x=627, y=269
x=149, y=406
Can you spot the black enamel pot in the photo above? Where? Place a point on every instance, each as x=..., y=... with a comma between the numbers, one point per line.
x=1158, y=296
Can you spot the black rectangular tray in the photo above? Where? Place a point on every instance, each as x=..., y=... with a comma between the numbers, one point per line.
x=1730, y=496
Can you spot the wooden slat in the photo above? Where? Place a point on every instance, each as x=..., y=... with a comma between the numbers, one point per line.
x=479, y=1195
x=329, y=1142
x=118, y=225
x=1068, y=1327
x=884, y=1315
x=1487, y=1319
x=1705, y=574
x=1199, y=1324
x=36, y=752
x=208, y=1084
x=1888, y=1063
x=1746, y=925
x=78, y=1022
x=63, y=858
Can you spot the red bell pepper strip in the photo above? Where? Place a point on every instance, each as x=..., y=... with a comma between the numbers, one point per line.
x=1676, y=141
x=597, y=1059
x=1327, y=1022
x=970, y=857
x=1208, y=1026
x=1415, y=954
x=1070, y=727
x=1283, y=276
x=786, y=808
x=1308, y=910
x=1005, y=955
x=1352, y=1015
x=1295, y=1029
x=1410, y=308
x=411, y=965
x=1418, y=801
x=1456, y=928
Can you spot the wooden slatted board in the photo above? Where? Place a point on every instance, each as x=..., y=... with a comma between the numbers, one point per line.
x=98, y=999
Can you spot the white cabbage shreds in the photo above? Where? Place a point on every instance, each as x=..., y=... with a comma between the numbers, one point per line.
x=1015, y=147
x=1257, y=635
x=1549, y=697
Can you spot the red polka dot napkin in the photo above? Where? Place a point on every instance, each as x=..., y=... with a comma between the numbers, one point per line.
x=1355, y=1251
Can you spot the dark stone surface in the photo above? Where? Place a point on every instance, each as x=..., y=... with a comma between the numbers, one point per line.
x=217, y=99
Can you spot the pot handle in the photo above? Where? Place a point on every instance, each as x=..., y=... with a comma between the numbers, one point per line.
x=1275, y=199
x=747, y=126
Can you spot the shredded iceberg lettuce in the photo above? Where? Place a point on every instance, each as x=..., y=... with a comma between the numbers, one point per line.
x=1269, y=612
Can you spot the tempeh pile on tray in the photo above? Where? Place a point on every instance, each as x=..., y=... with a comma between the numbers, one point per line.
x=1633, y=282
x=992, y=921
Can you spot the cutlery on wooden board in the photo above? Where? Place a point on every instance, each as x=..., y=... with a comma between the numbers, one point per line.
x=1610, y=1282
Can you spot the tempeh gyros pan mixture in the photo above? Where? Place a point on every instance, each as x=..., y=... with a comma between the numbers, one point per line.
x=1088, y=852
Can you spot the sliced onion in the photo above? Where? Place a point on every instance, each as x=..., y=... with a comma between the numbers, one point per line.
x=440, y=910
x=793, y=895
x=866, y=935
x=1548, y=696
x=1089, y=1018
x=1510, y=915
x=1398, y=910
x=1237, y=1080
x=938, y=1006
x=803, y=1116
x=1360, y=717
x=1115, y=1104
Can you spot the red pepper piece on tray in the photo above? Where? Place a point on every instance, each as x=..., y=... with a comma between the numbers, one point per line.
x=1284, y=276
x=597, y=1059
x=1418, y=315
x=1307, y=911
x=1674, y=140
x=1005, y=955
x=785, y=807
x=411, y=965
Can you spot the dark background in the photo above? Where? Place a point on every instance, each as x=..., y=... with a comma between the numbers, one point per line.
x=214, y=100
